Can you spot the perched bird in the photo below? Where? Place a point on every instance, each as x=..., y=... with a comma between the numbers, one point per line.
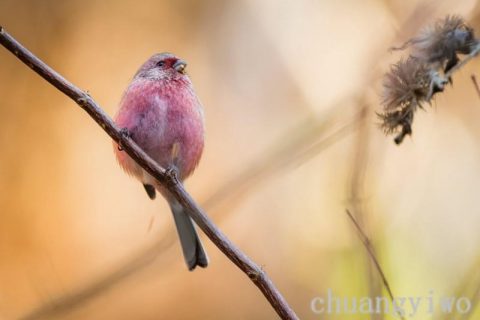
x=162, y=114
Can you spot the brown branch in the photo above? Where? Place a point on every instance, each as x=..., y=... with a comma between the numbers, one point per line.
x=167, y=178
x=370, y=250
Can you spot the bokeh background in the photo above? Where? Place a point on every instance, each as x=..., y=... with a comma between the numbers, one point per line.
x=290, y=90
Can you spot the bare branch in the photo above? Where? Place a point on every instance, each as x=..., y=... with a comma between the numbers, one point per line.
x=168, y=179
x=371, y=252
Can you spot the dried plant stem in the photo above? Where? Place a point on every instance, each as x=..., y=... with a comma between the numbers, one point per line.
x=475, y=84
x=464, y=61
x=368, y=246
x=166, y=177
x=357, y=184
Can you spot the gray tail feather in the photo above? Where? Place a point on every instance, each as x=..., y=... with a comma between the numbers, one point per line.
x=191, y=246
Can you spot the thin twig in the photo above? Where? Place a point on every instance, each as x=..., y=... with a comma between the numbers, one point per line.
x=475, y=84
x=368, y=246
x=167, y=178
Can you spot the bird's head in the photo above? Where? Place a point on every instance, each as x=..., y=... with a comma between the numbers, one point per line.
x=162, y=66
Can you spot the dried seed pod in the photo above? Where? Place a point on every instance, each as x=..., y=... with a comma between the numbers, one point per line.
x=407, y=85
x=414, y=81
x=440, y=43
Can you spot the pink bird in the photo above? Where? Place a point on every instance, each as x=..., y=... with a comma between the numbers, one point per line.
x=162, y=114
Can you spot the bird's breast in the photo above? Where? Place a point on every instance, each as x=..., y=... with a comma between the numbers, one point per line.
x=166, y=120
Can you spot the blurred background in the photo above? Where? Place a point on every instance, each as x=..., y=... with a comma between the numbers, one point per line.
x=290, y=90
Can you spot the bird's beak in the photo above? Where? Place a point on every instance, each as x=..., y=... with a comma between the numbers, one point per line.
x=180, y=66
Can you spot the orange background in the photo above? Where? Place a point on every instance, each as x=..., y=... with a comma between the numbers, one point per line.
x=282, y=83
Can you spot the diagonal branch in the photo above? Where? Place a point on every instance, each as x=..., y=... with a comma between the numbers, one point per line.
x=167, y=178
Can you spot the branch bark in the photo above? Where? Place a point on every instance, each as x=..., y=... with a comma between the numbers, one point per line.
x=255, y=273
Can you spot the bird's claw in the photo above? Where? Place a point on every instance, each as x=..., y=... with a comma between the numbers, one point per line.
x=172, y=173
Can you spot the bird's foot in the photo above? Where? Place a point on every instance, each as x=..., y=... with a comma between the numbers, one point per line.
x=172, y=173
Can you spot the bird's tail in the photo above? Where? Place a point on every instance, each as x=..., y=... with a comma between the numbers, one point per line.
x=191, y=246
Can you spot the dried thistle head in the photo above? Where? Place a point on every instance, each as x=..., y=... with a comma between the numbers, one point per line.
x=440, y=43
x=414, y=81
x=407, y=85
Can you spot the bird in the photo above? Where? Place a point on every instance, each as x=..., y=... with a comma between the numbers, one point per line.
x=161, y=112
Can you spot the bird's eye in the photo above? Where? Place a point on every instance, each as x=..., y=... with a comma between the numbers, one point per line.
x=160, y=63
